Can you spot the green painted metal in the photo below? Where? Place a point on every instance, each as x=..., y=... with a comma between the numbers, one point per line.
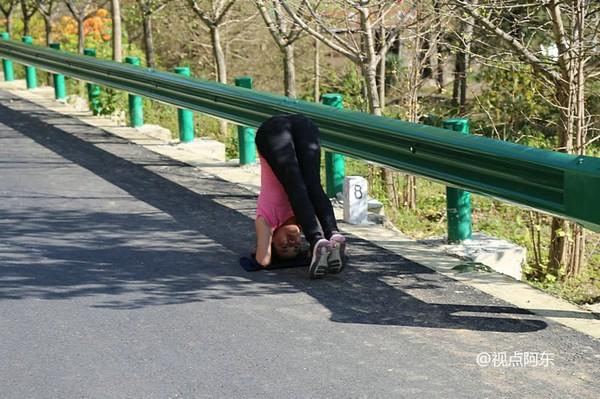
x=553, y=182
x=246, y=135
x=458, y=201
x=93, y=90
x=7, y=65
x=335, y=169
x=136, y=104
x=185, y=117
x=60, y=88
x=30, y=72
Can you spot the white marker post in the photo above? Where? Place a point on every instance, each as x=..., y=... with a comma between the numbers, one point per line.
x=355, y=200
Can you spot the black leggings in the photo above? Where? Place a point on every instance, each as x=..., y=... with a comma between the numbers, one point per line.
x=290, y=145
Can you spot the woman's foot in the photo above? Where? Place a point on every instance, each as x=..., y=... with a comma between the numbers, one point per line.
x=320, y=255
x=337, y=255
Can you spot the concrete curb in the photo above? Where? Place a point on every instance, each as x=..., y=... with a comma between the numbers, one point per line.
x=498, y=285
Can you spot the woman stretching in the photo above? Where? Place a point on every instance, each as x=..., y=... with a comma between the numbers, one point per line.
x=291, y=198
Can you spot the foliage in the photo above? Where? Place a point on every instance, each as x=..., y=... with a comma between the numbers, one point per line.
x=510, y=106
x=36, y=28
x=98, y=26
x=111, y=101
x=349, y=84
x=97, y=31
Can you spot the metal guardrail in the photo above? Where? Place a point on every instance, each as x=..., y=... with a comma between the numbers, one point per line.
x=556, y=183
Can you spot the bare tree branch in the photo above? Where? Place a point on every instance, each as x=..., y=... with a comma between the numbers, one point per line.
x=341, y=49
x=511, y=41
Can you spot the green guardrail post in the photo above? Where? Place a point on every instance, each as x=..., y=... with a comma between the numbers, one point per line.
x=7, y=65
x=60, y=89
x=30, y=72
x=185, y=117
x=458, y=202
x=247, y=148
x=93, y=90
x=136, y=110
x=334, y=163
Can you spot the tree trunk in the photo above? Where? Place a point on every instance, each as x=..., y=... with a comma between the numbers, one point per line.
x=215, y=36
x=48, y=30
x=440, y=70
x=459, y=91
x=464, y=59
x=425, y=58
x=577, y=258
x=8, y=19
x=415, y=74
x=438, y=51
x=80, y=36
x=536, y=241
x=28, y=13
x=221, y=66
x=369, y=65
x=463, y=82
x=9, y=24
x=25, y=25
x=289, y=71
x=148, y=40
x=410, y=192
x=382, y=83
x=48, y=33
x=382, y=68
x=558, y=251
x=317, y=88
x=456, y=83
x=116, y=31
x=370, y=78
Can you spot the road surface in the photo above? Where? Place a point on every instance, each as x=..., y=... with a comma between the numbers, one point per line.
x=119, y=278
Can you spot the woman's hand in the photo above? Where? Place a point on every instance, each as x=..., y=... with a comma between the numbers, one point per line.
x=264, y=236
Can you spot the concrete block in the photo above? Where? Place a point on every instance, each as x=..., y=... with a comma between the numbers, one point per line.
x=355, y=200
x=375, y=206
x=500, y=255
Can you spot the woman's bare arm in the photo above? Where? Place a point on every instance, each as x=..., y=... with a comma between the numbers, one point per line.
x=264, y=235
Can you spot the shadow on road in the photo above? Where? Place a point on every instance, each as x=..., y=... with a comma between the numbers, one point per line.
x=185, y=245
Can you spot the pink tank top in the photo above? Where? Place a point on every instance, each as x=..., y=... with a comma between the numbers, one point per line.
x=273, y=203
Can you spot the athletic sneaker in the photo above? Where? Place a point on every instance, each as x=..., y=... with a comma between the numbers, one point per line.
x=318, y=262
x=337, y=255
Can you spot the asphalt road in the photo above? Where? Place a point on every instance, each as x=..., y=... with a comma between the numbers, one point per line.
x=119, y=278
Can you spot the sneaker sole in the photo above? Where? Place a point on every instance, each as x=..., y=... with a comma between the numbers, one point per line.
x=335, y=262
x=319, y=268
